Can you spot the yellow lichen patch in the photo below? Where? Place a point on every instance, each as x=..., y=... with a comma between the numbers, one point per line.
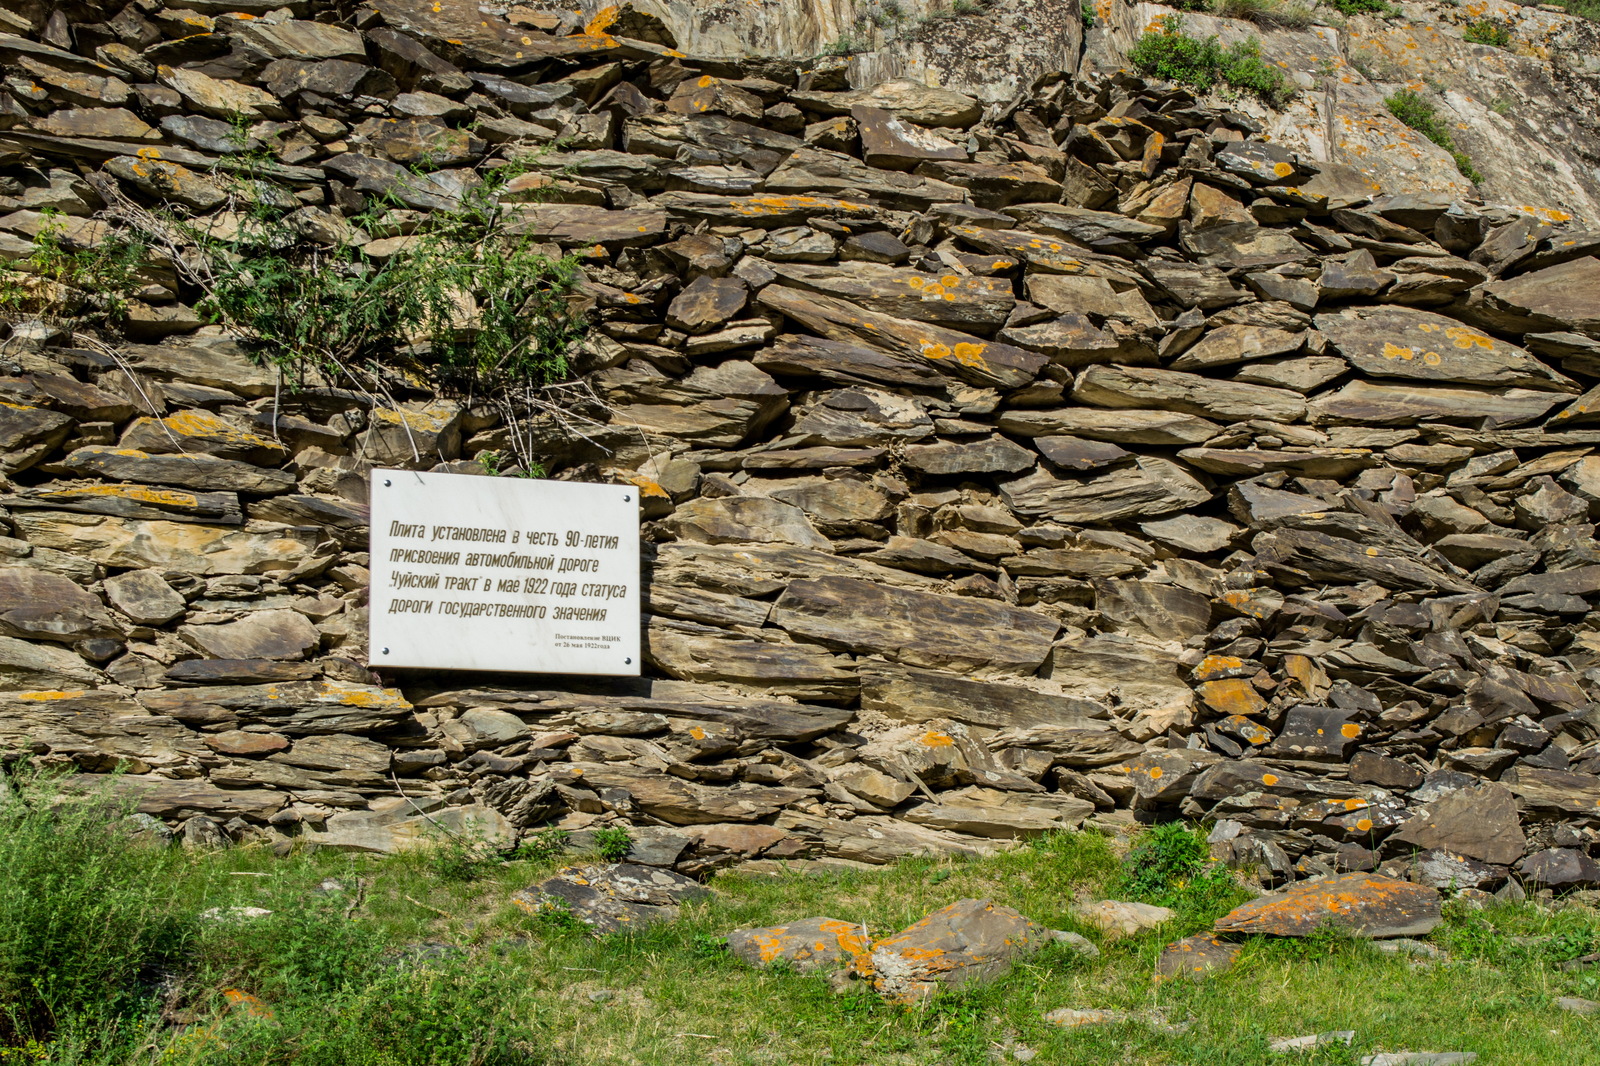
x=1467, y=338
x=603, y=20
x=45, y=695
x=159, y=497
x=648, y=487
x=969, y=353
x=1351, y=730
x=1269, y=779
x=935, y=739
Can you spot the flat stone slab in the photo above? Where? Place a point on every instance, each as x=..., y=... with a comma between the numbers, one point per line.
x=1362, y=904
x=970, y=942
x=808, y=946
x=1196, y=957
x=612, y=897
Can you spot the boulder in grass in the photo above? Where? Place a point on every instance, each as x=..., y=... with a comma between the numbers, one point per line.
x=970, y=942
x=1361, y=904
x=808, y=946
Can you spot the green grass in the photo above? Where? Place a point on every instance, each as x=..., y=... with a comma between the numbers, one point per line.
x=336, y=977
x=1365, y=7
x=1589, y=9
x=1415, y=111
x=1172, y=55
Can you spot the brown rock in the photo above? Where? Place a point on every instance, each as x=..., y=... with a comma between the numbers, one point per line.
x=42, y=606
x=237, y=742
x=916, y=628
x=1361, y=904
x=970, y=942
x=1196, y=957
x=1479, y=822
x=809, y=946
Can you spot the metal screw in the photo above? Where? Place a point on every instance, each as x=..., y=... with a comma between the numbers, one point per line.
x=386, y=651
x=627, y=499
x=387, y=483
x=628, y=661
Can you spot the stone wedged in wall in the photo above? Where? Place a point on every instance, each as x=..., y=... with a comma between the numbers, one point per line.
x=1084, y=459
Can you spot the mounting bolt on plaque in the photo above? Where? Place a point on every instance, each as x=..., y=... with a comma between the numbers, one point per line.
x=386, y=651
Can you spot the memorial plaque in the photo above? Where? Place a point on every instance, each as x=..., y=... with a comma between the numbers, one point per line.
x=484, y=573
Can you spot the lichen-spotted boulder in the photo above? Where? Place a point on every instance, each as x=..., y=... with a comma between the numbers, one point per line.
x=1361, y=904
x=971, y=941
x=807, y=946
x=611, y=897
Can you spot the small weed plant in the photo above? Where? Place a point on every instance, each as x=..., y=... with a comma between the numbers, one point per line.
x=543, y=846
x=73, y=285
x=482, y=300
x=1087, y=13
x=1170, y=865
x=1172, y=55
x=1266, y=13
x=1490, y=31
x=613, y=843
x=1415, y=111
x=1382, y=8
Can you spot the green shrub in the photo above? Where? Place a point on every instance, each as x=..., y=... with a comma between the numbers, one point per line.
x=543, y=845
x=1415, y=111
x=1268, y=13
x=1491, y=31
x=454, y=1014
x=613, y=843
x=311, y=308
x=1172, y=55
x=85, y=922
x=1086, y=12
x=308, y=949
x=73, y=286
x=1365, y=7
x=1171, y=866
x=1589, y=9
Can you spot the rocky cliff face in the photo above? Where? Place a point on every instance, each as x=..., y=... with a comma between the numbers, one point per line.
x=1527, y=113
x=1007, y=467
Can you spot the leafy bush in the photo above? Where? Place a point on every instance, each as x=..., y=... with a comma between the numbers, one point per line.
x=85, y=924
x=1172, y=55
x=453, y=1014
x=1365, y=7
x=1269, y=13
x=1171, y=866
x=1415, y=111
x=1491, y=31
x=543, y=845
x=1589, y=9
x=309, y=949
x=72, y=285
x=613, y=843
x=487, y=303
x=1086, y=12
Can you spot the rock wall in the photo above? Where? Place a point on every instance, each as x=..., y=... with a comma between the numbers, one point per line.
x=1008, y=467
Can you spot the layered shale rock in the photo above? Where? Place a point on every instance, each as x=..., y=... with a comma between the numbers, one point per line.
x=1012, y=460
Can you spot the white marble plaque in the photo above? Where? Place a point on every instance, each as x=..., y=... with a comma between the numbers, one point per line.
x=491, y=573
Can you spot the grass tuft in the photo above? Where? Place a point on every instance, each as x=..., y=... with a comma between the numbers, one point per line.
x=1415, y=111
x=1170, y=54
x=1490, y=31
